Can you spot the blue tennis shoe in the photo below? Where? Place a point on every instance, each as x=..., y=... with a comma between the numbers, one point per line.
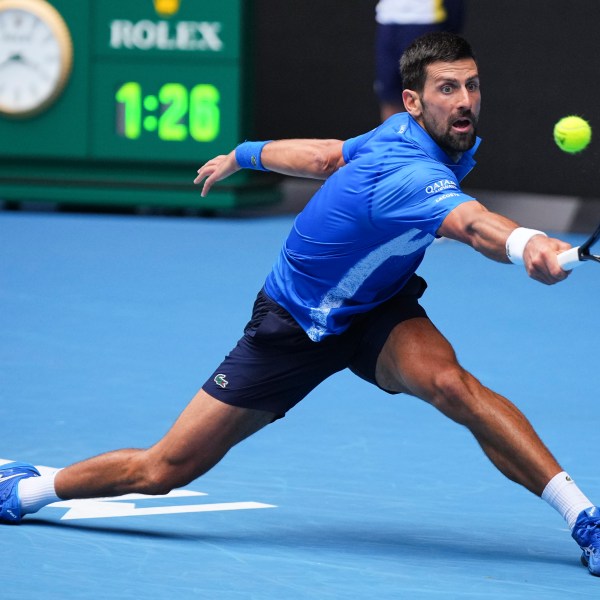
x=10, y=475
x=587, y=534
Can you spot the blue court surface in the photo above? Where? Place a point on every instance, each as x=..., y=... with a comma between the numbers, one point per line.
x=109, y=324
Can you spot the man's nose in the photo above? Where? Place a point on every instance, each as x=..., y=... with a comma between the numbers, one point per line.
x=465, y=98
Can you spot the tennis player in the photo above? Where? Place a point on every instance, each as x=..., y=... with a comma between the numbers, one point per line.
x=344, y=294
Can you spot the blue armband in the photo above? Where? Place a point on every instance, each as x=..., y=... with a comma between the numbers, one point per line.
x=248, y=154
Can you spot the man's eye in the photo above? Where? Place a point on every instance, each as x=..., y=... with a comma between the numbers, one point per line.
x=446, y=89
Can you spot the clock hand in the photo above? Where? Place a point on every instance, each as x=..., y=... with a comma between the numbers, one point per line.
x=10, y=59
x=20, y=58
x=14, y=58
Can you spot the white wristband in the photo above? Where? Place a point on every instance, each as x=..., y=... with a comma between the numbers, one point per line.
x=516, y=242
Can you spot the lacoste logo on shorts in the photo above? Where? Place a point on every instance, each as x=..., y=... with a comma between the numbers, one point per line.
x=221, y=381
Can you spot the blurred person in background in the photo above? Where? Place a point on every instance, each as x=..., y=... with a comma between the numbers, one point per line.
x=399, y=22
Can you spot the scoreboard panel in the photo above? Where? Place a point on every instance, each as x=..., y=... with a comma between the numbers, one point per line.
x=153, y=89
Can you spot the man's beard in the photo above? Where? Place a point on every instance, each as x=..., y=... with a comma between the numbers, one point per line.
x=449, y=141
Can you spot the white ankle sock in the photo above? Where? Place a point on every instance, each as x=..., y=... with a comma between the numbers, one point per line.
x=36, y=492
x=562, y=494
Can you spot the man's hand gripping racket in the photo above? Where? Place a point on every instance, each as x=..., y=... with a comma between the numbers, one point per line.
x=576, y=256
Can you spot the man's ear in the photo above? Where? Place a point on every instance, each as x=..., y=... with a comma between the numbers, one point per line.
x=412, y=103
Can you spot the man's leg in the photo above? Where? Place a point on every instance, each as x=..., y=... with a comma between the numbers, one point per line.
x=418, y=360
x=201, y=436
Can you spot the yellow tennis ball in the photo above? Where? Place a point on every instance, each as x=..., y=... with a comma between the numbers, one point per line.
x=572, y=134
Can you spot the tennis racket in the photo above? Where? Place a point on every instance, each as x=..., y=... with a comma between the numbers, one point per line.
x=574, y=257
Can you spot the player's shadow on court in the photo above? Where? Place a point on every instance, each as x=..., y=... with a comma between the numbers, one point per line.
x=429, y=543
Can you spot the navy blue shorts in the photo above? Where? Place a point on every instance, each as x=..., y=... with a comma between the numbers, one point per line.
x=275, y=364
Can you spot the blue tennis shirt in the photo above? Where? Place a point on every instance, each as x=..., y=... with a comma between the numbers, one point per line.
x=365, y=231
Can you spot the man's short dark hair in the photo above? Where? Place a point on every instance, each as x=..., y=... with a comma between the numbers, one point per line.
x=427, y=49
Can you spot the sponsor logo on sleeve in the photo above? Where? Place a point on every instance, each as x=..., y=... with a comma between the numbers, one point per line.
x=446, y=196
x=440, y=186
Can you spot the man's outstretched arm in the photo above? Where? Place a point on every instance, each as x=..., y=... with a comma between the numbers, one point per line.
x=489, y=232
x=314, y=159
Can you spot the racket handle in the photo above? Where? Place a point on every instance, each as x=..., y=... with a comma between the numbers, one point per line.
x=569, y=259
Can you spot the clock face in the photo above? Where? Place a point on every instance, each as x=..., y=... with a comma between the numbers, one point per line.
x=35, y=56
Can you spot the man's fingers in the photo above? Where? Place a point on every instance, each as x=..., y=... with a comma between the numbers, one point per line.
x=215, y=170
x=206, y=187
x=200, y=177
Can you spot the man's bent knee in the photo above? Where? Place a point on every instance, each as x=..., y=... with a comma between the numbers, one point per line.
x=454, y=393
x=159, y=476
x=202, y=435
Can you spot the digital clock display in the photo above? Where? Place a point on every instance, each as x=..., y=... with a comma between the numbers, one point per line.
x=182, y=113
x=175, y=113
